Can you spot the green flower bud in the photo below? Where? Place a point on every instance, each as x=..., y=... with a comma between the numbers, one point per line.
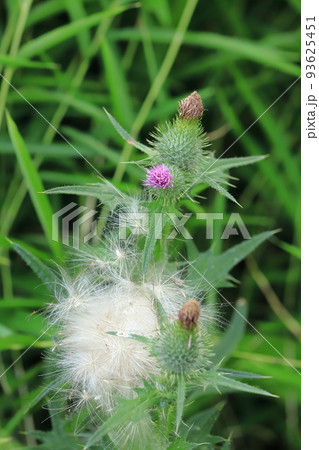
x=180, y=144
x=179, y=350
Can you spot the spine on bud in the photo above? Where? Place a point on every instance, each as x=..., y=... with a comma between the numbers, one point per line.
x=179, y=145
x=179, y=348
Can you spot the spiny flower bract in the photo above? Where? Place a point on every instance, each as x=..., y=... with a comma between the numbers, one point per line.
x=180, y=143
x=179, y=351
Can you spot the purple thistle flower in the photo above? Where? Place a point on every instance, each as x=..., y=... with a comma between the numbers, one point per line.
x=159, y=177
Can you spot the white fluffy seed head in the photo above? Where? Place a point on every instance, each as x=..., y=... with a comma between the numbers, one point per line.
x=131, y=219
x=119, y=299
x=112, y=254
x=90, y=359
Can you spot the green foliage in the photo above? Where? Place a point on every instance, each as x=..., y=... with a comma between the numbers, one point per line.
x=58, y=438
x=199, y=425
x=179, y=351
x=61, y=34
x=157, y=221
x=222, y=382
x=215, y=269
x=180, y=143
x=69, y=60
x=33, y=181
x=107, y=193
x=129, y=139
x=39, y=268
x=233, y=334
x=134, y=410
x=180, y=399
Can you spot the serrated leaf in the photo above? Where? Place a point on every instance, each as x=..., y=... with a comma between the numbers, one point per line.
x=105, y=192
x=129, y=139
x=234, y=385
x=181, y=444
x=230, y=373
x=46, y=275
x=128, y=410
x=58, y=437
x=200, y=424
x=213, y=183
x=215, y=269
x=228, y=163
x=215, y=174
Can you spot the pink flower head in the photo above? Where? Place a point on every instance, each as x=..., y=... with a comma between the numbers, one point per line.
x=159, y=177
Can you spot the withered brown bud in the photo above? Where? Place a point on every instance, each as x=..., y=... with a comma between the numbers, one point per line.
x=191, y=107
x=189, y=313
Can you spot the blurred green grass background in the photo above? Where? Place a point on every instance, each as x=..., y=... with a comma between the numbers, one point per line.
x=68, y=59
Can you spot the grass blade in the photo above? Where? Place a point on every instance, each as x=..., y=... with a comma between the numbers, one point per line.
x=40, y=202
x=61, y=34
x=13, y=61
x=244, y=48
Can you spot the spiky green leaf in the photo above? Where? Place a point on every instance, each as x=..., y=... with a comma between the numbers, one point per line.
x=46, y=275
x=125, y=135
x=133, y=409
x=105, y=192
x=232, y=385
x=212, y=271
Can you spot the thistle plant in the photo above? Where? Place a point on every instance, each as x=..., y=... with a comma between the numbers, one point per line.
x=177, y=156
x=134, y=324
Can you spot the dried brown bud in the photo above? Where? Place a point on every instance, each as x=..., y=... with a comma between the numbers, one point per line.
x=191, y=107
x=189, y=313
